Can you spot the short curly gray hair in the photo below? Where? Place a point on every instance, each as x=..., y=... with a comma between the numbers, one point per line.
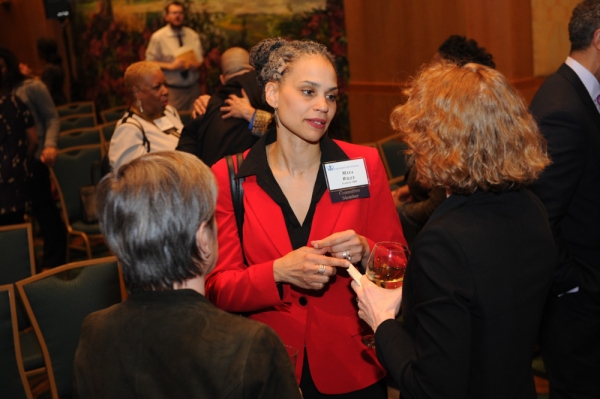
x=272, y=58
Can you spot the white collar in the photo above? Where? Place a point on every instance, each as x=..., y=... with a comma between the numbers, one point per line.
x=587, y=78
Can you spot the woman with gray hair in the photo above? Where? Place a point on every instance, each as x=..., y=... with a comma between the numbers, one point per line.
x=150, y=124
x=166, y=340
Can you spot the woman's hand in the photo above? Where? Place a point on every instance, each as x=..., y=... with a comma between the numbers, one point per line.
x=376, y=304
x=238, y=107
x=307, y=268
x=401, y=195
x=200, y=105
x=346, y=245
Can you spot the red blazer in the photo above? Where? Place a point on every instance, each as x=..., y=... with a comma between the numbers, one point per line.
x=325, y=321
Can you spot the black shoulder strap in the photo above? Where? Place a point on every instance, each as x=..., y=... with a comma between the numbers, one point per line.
x=237, y=195
x=131, y=120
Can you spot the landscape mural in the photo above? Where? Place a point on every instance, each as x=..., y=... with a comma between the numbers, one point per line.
x=109, y=35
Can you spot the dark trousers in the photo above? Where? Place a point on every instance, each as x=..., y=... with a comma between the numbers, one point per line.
x=48, y=217
x=570, y=343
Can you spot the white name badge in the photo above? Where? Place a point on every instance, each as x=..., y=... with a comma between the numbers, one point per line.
x=165, y=125
x=347, y=180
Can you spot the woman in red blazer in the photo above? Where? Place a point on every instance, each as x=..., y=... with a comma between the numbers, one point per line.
x=297, y=240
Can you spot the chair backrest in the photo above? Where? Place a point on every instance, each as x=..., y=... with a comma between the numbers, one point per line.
x=16, y=246
x=79, y=136
x=107, y=130
x=72, y=170
x=58, y=301
x=18, y=260
x=13, y=381
x=392, y=151
x=75, y=108
x=113, y=114
x=77, y=121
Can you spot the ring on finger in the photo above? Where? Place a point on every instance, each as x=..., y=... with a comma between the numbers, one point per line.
x=346, y=255
x=321, y=270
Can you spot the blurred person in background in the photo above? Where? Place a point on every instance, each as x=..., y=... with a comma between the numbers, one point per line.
x=150, y=124
x=178, y=51
x=36, y=97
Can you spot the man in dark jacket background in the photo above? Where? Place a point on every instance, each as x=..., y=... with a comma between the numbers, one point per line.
x=566, y=108
x=236, y=116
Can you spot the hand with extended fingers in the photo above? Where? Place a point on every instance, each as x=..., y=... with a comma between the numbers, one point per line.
x=376, y=304
x=345, y=245
x=307, y=268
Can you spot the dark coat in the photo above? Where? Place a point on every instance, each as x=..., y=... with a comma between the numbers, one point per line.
x=211, y=137
x=570, y=186
x=175, y=344
x=474, y=291
x=570, y=190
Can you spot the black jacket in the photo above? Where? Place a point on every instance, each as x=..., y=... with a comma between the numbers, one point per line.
x=473, y=295
x=211, y=137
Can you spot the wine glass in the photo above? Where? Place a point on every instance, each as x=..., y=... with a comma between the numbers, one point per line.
x=386, y=267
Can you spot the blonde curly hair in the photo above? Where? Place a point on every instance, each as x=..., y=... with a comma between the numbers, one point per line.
x=467, y=129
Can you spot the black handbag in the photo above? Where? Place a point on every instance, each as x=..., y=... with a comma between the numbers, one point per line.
x=87, y=194
x=237, y=194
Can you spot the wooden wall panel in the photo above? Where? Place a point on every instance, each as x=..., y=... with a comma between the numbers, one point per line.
x=388, y=41
x=23, y=22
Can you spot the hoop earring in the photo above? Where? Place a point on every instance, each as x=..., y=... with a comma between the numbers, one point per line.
x=140, y=106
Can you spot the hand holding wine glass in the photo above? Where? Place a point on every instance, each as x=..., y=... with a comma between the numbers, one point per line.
x=385, y=267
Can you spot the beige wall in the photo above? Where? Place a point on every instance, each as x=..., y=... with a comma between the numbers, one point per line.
x=550, y=19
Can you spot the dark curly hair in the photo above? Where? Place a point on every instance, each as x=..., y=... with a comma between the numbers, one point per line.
x=272, y=58
x=460, y=50
x=585, y=20
x=13, y=74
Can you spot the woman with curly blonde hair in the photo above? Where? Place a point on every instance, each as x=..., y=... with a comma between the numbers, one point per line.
x=482, y=266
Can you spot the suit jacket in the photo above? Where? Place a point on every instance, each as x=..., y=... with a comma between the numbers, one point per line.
x=474, y=291
x=570, y=186
x=211, y=137
x=323, y=322
x=176, y=344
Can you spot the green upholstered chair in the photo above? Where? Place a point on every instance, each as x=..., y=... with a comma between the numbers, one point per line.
x=72, y=170
x=13, y=381
x=77, y=121
x=76, y=108
x=392, y=151
x=16, y=263
x=113, y=114
x=79, y=136
x=58, y=300
x=16, y=246
x=107, y=129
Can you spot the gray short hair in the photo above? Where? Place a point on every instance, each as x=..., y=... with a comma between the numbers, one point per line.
x=149, y=212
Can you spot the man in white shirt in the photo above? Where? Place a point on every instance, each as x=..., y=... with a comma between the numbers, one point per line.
x=178, y=51
x=566, y=108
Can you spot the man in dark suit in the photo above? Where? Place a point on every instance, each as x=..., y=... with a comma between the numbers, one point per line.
x=234, y=118
x=567, y=110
